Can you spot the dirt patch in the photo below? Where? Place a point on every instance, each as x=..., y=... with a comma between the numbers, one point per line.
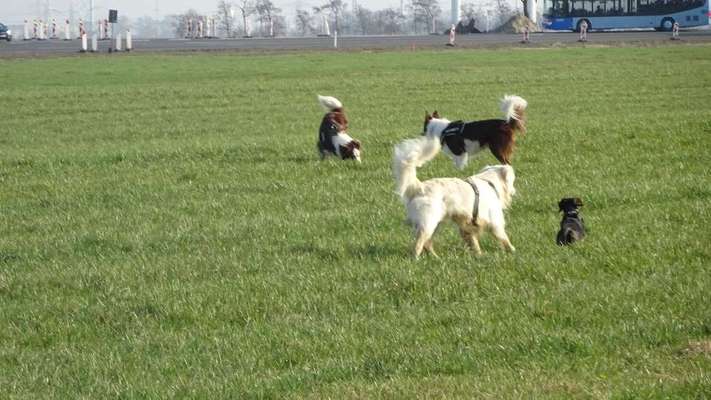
x=518, y=24
x=696, y=348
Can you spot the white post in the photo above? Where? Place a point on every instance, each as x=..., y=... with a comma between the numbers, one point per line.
x=452, y=35
x=94, y=43
x=335, y=39
x=83, y=43
x=675, y=31
x=27, y=31
x=118, y=42
x=67, y=31
x=129, y=41
x=583, y=32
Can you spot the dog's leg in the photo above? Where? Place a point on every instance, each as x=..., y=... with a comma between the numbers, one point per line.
x=470, y=235
x=501, y=235
x=422, y=238
x=430, y=248
x=461, y=160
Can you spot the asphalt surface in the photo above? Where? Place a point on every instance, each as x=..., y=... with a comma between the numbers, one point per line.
x=34, y=48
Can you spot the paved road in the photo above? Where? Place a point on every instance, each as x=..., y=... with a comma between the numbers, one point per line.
x=20, y=48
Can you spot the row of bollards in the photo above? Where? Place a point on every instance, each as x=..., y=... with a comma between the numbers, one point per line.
x=583, y=37
x=118, y=43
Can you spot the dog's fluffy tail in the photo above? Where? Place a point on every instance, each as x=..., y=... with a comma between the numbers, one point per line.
x=408, y=156
x=514, y=109
x=329, y=103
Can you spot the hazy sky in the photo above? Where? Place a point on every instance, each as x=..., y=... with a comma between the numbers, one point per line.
x=14, y=11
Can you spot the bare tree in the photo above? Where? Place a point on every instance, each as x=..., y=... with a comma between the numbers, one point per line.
x=391, y=20
x=267, y=12
x=364, y=18
x=303, y=22
x=246, y=8
x=226, y=17
x=335, y=7
x=180, y=22
x=426, y=11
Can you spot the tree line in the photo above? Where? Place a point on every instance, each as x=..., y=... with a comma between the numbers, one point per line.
x=240, y=18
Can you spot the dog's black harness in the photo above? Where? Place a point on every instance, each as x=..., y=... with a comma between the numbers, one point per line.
x=451, y=136
x=453, y=129
x=475, y=209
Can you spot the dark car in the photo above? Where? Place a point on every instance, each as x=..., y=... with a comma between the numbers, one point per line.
x=5, y=33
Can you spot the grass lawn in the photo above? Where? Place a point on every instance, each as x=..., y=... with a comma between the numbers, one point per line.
x=166, y=229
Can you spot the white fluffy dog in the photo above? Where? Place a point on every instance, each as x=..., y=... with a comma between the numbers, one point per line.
x=474, y=203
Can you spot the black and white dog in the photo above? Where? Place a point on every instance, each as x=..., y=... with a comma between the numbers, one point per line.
x=461, y=139
x=332, y=136
x=572, y=228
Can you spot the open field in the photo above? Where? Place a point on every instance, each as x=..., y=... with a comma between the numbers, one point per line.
x=167, y=230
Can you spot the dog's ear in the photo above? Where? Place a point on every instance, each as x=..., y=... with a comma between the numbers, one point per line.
x=356, y=144
x=560, y=205
x=435, y=114
x=578, y=202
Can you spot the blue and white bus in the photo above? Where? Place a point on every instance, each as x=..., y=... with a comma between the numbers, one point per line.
x=621, y=14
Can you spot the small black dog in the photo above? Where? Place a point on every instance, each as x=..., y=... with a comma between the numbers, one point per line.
x=572, y=228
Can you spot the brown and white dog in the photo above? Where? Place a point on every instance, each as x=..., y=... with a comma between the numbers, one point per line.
x=332, y=134
x=461, y=139
x=474, y=203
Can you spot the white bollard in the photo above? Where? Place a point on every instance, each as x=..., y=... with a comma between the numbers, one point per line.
x=67, y=31
x=583, y=32
x=83, y=43
x=675, y=31
x=27, y=31
x=118, y=42
x=129, y=40
x=452, y=35
x=94, y=43
x=335, y=39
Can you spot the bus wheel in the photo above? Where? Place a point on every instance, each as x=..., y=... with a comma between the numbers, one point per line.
x=667, y=24
x=577, y=28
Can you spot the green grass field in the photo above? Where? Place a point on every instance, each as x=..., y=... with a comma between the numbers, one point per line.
x=167, y=231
